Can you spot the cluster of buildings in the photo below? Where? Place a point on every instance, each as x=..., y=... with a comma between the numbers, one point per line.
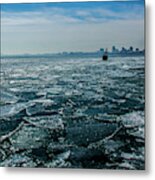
x=124, y=51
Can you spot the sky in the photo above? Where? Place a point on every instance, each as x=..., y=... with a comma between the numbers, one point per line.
x=38, y=28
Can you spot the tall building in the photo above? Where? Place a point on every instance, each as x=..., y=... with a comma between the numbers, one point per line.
x=123, y=50
x=101, y=50
x=113, y=49
x=131, y=49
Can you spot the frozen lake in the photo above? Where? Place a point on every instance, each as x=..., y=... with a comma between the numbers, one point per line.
x=95, y=110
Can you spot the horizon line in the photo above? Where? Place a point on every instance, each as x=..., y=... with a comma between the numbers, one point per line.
x=64, y=52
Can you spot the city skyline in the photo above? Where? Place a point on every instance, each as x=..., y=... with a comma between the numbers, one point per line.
x=78, y=26
x=114, y=51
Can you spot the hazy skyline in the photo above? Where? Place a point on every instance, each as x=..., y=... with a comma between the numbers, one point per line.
x=78, y=26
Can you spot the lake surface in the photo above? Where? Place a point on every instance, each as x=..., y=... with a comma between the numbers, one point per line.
x=73, y=113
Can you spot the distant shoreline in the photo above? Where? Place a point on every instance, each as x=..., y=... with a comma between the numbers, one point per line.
x=74, y=54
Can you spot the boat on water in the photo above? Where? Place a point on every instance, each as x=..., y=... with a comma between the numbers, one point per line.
x=105, y=56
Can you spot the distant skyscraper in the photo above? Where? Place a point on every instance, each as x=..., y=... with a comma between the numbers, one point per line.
x=101, y=50
x=113, y=49
x=123, y=50
x=131, y=49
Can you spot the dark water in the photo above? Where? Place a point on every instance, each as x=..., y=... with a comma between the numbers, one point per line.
x=72, y=113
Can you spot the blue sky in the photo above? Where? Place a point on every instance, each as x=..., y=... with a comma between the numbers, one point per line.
x=78, y=26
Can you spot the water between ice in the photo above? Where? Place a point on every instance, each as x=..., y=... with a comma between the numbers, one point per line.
x=82, y=89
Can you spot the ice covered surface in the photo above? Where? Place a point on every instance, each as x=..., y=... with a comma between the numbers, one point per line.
x=79, y=113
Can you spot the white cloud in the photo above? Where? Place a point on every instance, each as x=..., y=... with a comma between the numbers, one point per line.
x=60, y=15
x=56, y=30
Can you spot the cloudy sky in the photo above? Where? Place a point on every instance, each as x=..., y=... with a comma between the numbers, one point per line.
x=81, y=26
